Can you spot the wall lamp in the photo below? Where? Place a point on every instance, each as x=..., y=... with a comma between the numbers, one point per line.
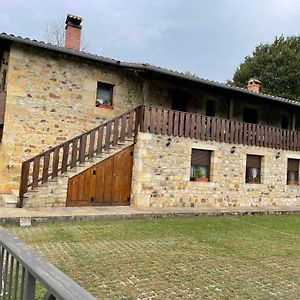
x=233, y=149
x=169, y=142
x=277, y=155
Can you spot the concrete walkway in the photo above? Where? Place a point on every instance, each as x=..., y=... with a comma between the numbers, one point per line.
x=93, y=213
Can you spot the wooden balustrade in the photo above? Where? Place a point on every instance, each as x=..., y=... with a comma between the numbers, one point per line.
x=189, y=125
x=68, y=155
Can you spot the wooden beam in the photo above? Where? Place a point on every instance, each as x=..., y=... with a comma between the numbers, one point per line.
x=293, y=121
x=146, y=85
x=231, y=109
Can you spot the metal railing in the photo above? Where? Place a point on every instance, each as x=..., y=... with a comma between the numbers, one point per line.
x=21, y=269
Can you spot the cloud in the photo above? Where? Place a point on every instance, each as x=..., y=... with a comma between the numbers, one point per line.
x=208, y=37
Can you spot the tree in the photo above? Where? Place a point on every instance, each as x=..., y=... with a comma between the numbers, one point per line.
x=276, y=65
x=54, y=33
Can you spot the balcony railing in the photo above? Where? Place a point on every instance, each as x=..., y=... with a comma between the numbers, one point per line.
x=21, y=270
x=189, y=125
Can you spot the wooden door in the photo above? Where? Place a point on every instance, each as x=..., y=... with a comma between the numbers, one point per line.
x=106, y=183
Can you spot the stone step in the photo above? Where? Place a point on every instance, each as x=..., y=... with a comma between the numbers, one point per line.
x=9, y=200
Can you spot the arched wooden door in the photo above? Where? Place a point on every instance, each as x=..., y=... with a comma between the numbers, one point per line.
x=106, y=183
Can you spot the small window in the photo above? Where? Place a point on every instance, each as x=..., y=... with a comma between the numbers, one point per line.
x=200, y=165
x=293, y=172
x=210, y=108
x=285, y=122
x=179, y=100
x=253, y=169
x=104, y=95
x=250, y=115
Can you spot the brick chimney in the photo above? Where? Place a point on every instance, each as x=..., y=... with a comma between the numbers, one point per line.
x=73, y=32
x=253, y=85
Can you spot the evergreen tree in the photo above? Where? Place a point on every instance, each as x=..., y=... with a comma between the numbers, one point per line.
x=276, y=65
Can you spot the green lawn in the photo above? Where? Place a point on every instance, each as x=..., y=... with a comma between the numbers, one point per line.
x=253, y=257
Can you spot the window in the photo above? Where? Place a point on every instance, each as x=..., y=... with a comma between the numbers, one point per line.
x=285, y=122
x=104, y=95
x=179, y=100
x=293, y=172
x=210, y=108
x=250, y=115
x=253, y=167
x=200, y=165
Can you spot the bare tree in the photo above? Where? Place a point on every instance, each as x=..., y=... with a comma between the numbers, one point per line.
x=54, y=33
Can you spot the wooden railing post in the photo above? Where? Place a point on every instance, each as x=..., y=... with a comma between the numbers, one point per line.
x=24, y=182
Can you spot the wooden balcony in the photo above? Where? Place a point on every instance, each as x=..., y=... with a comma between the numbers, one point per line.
x=195, y=126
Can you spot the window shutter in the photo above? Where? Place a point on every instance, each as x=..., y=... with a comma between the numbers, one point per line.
x=253, y=161
x=201, y=157
x=293, y=165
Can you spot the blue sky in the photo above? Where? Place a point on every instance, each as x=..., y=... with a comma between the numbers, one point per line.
x=207, y=37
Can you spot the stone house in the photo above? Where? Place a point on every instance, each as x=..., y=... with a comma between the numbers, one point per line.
x=80, y=129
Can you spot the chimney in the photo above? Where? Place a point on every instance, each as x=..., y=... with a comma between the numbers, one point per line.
x=253, y=85
x=73, y=32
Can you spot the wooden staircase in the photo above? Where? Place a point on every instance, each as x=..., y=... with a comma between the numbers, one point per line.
x=82, y=151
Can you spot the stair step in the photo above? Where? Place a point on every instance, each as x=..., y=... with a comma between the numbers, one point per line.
x=9, y=200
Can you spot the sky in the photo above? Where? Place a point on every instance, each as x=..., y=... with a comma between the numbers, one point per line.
x=207, y=37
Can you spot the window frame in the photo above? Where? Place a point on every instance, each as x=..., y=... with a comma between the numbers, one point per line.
x=253, y=165
x=245, y=108
x=213, y=106
x=207, y=165
x=282, y=116
x=105, y=84
x=295, y=180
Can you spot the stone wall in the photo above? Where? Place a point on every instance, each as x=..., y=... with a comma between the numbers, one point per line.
x=161, y=175
x=50, y=99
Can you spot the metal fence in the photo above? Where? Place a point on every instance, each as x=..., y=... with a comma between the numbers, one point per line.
x=22, y=271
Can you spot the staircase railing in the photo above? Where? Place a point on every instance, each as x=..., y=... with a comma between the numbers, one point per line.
x=26, y=275
x=59, y=159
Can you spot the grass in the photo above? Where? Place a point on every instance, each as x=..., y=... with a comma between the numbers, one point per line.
x=253, y=257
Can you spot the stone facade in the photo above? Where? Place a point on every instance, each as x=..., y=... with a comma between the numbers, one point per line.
x=50, y=99
x=161, y=175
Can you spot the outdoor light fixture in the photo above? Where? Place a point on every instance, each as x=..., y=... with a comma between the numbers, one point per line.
x=233, y=148
x=277, y=155
x=169, y=142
